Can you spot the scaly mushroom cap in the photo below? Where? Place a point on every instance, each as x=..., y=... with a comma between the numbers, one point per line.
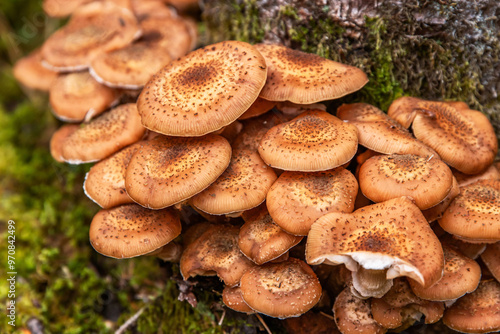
x=30, y=72
x=474, y=215
x=130, y=67
x=232, y=298
x=281, y=290
x=380, y=133
x=242, y=186
x=77, y=96
x=259, y=107
x=379, y=237
x=297, y=199
x=400, y=308
x=207, y=89
x=491, y=258
x=464, y=139
x=216, y=251
x=93, y=29
x=105, y=182
x=491, y=173
x=478, y=312
x=404, y=110
x=131, y=230
x=58, y=138
x=461, y=275
x=427, y=181
x=104, y=135
x=313, y=141
x=434, y=213
x=353, y=315
x=303, y=78
x=261, y=240
x=169, y=170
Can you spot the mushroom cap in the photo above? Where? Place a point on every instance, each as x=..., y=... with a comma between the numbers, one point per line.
x=232, y=298
x=491, y=173
x=434, y=213
x=311, y=322
x=259, y=107
x=312, y=141
x=427, y=181
x=305, y=78
x=464, y=139
x=461, y=275
x=104, y=135
x=169, y=170
x=378, y=237
x=94, y=28
x=131, y=230
x=30, y=72
x=216, y=251
x=281, y=290
x=58, y=138
x=380, y=133
x=203, y=91
x=105, y=182
x=297, y=199
x=353, y=315
x=77, y=96
x=242, y=186
x=261, y=240
x=474, y=215
x=403, y=110
x=491, y=258
x=130, y=67
x=144, y=9
x=55, y=8
x=477, y=312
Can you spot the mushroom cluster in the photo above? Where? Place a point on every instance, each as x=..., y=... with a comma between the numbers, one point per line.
x=232, y=144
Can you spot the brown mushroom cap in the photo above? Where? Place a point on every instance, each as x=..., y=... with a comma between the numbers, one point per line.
x=216, y=251
x=491, y=173
x=427, y=181
x=30, y=72
x=203, y=91
x=131, y=230
x=478, y=312
x=353, y=315
x=311, y=323
x=259, y=107
x=242, y=186
x=464, y=139
x=461, y=275
x=313, y=141
x=491, y=258
x=474, y=215
x=281, y=290
x=58, y=138
x=261, y=240
x=232, y=298
x=378, y=239
x=169, y=170
x=58, y=8
x=434, y=213
x=297, y=199
x=77, y=96
x=403, y=110
x=380, y=133
x=94, y=28
x=104, y=135
x=302, y=77
x=105, y=182
x=171, y=252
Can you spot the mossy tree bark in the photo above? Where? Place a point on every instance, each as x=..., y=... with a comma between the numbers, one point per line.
x=435, y=49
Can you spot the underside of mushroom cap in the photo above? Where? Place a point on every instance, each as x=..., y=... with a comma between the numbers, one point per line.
x=281, y=290
x=169, y=170
x=131, y=230
x=203, y=91
x=313, y=141
x=305, y=78
x=94, y=28
x=378, y=237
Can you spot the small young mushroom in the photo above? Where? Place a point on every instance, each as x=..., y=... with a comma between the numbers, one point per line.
x=58, y=138
x=259, y=107
x=232, y=298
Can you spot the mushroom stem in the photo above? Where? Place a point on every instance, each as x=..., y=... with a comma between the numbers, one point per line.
x=370, y=283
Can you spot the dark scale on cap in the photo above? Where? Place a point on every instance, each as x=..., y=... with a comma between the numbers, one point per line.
x=104, y=135
x=169, y=170
x=313, y=141
x=204, y=91
x=131, y=230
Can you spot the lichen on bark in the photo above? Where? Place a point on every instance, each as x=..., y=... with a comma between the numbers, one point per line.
x=434, y=49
